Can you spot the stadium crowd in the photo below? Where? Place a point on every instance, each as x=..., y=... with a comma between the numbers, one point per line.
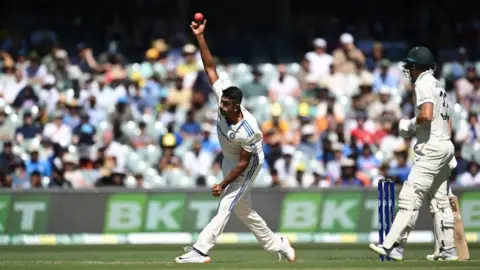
x=83, y=120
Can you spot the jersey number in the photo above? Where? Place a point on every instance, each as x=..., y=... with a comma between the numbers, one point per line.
x=444, y=115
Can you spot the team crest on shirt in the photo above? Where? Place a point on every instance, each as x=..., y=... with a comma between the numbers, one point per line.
x=231, y=135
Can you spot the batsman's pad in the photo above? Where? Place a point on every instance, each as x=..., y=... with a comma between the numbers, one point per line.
x=407, y=199
x=459, y=233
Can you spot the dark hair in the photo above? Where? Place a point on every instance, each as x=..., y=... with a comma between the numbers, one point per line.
x=234, y=93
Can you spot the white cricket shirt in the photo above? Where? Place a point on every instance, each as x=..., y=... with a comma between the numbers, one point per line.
x=246, y=134
x=428, y=89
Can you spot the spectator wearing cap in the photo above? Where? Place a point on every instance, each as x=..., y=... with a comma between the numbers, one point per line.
x=319, y=60
x=37, y=164
x=169, y=161
x=7, y=127
x=197, y=162
x=347, y=52
x=8, y=158
x=49, y=94
x=190, y=63
x=384, y=108
x=147, y=67
x=384, y=75
x=57, y=131
x=28, y=130
x=276, y=125
x=309, y=143
x=255, y=88
x=284, y=85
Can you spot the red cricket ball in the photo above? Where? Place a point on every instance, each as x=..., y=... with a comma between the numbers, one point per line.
x=198, y=17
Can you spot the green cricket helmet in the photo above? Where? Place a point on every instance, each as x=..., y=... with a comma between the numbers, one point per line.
x=418, y=58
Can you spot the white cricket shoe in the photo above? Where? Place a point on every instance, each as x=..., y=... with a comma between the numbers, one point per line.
x=395, y=253
x=286, y=250
x=192, y=256
x=448, y=254
x=432, y=257
x=444, y=255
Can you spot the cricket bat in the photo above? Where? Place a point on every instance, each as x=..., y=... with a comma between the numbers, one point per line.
x=458, y=230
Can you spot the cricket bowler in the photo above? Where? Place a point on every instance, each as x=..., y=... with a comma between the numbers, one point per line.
x=433, y=152
x=241, y=142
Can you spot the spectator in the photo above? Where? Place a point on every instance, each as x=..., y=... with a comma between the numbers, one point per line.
x=49, y=95
x=20, y=177
x=255, y=88
x=36, y=164
x=363, y=135
x=385, y=76
x=348, y=177
x=286, y=167
x=142, y=139
x=96, y=114
x=198, y=162
x=180, y=96
x=57, y=131
x=384, y=109
x=8, y=159
x=190, y=127
x=346, y=53
x=285, y=85
x=26, y=98
x=28, y=131
x=190, y=64
x=471, y=177
x=36, y=180
x=367, y=160
x=58, y=180
x=72, y=173
x=84, y=132
x=114, y=149
x=319, y=59
x=11, y=82
x=334, y=164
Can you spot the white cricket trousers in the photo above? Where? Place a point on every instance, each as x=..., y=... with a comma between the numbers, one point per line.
x=428, y=177
x=236, y=198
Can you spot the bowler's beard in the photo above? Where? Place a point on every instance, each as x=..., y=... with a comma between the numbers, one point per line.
x=223, y=113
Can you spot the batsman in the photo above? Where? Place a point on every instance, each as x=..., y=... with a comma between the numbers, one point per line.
x=433, y=152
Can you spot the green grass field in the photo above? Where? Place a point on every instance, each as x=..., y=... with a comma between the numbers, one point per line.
x=321, y=256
